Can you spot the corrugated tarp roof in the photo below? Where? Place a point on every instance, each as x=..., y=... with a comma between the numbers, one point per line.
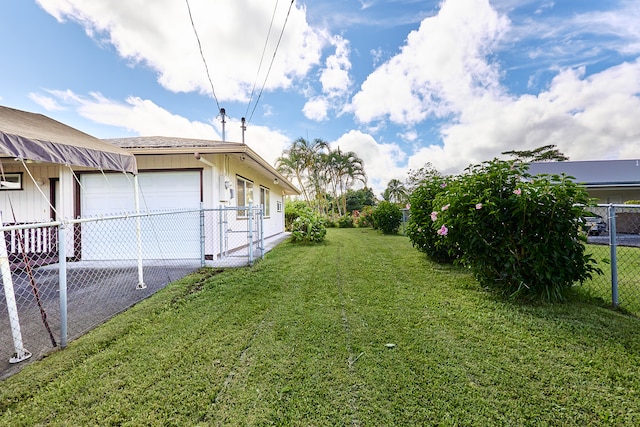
x=32, y=136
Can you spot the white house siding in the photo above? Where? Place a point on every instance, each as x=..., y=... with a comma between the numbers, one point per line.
x=274, y=224
x=211, y=197
x=617, y=195
x=29, y=205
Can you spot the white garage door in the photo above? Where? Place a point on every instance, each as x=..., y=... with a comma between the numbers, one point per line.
x=163, y=237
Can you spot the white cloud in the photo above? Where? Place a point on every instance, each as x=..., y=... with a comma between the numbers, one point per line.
x=410, y=135
x=159, y=34
x=145, y=118
x=444, y=73
x=46, y=102
x=335, y=77
x=586, y=117
x=316, y=109
x=442, y=65
x=335, y=81
x=380, y=160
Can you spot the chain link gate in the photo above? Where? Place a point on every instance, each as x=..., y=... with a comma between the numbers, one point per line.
x=238, y=235
x=61, y=279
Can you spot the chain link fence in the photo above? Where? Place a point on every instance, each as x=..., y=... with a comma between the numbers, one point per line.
x=614, y=240
x=61, y=279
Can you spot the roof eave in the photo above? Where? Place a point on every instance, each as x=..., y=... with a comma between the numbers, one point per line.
x=288, y=187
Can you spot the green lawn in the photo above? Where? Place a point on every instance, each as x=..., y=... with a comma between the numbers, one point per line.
x=361, y=330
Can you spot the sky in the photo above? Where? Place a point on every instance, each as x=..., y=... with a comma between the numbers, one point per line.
x=402, y=83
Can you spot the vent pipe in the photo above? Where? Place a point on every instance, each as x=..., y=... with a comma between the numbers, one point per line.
x=243, y=126
x=222, y=114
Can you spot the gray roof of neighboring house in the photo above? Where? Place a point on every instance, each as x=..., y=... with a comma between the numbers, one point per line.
x=167, y=145
x=32, y=136
x=593, y=173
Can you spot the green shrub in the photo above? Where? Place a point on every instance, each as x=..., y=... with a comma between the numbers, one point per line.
x=420, y=228
x=387, y=217
x=345, y=221
x=519, y=234
x=331, y=221
x=632, y=202
x=294, y=209
x=308, y=228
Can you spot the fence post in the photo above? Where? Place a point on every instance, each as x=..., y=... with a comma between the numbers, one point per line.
x=261, y=227
x=220, y=211
x=613, y=243
x=20, y=353
x=250, y=220
x=62, y=278
x=202, y=236
x=136, y=201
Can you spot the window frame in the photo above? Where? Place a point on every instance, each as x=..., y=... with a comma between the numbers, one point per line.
x=265, y=200
x=10, y=177
x=244, y=188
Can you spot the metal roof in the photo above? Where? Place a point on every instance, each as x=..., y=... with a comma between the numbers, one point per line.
x=166, y=145
x=593, y=173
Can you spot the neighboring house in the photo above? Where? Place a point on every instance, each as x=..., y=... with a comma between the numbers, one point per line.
x=608, y=181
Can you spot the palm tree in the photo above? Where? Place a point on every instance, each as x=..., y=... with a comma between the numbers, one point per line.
x=344, y=169
x=301, y=161
x=395, y=192
x=292, y=165
x=322, y=172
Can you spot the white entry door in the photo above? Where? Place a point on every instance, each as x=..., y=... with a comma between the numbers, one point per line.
x=174, y=236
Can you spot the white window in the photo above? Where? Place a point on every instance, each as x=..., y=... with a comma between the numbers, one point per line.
x=245, y=194
x=279, y=206
x=265, y=200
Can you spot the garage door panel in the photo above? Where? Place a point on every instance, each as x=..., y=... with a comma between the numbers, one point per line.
x=175, y=236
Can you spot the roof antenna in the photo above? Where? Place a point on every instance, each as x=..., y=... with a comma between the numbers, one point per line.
x=243, y=126
x=223, y=113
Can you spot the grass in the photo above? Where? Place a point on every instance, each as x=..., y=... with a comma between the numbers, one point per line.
x=361, y=330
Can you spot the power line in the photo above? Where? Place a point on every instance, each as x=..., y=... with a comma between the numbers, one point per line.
x=202, y=55
x=272, y=59
x=264, y=50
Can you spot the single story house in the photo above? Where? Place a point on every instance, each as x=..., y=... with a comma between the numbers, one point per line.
x=608, y=181
x=51, y=171
x=183, y=173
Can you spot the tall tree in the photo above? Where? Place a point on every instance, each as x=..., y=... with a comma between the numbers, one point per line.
x=300, y=162
x=322, y=173
x=417, y=176
x=395, y=192
x=546, y=153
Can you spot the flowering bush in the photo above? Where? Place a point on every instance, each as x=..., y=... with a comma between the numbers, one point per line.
x=421, y=228
x=387, y=217
x=308, y=228
x=365, y=217
x=519, y=234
